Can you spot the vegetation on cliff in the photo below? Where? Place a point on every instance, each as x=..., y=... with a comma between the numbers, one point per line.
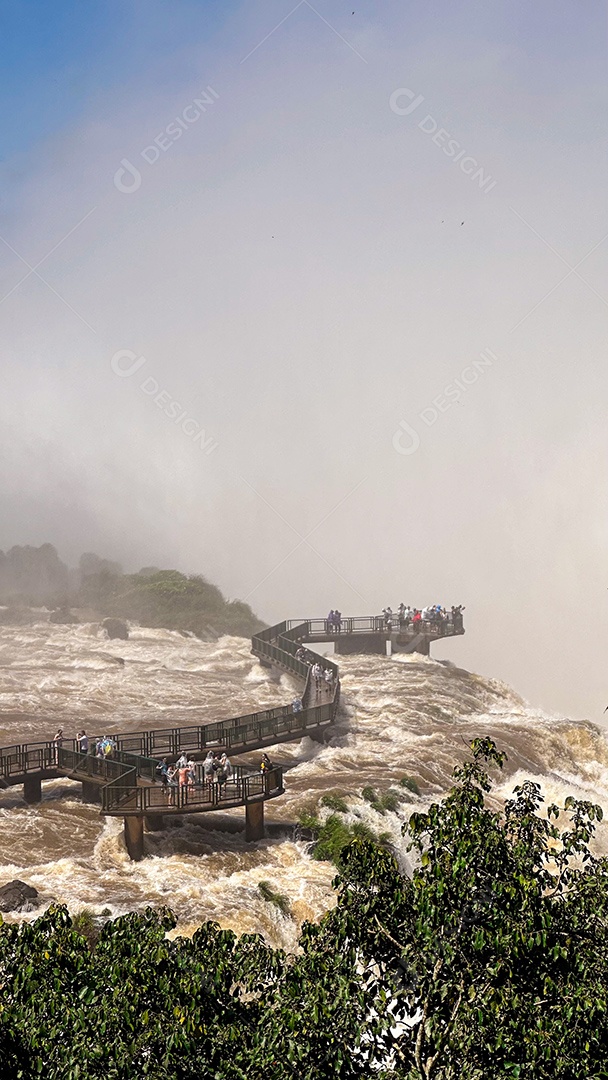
x=489, y=963
x=152, y=597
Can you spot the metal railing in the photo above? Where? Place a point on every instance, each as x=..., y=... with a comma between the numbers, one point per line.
x=136, y=754
x=243, y=787
x=375, y=624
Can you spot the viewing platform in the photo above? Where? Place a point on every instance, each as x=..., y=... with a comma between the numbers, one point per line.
x=370, y=634
x=127, y=784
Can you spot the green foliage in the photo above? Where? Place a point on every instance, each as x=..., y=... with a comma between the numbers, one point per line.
x=85, y=924
x=389, y=801
x=410, y=784
x=495, y=952
x=380, y=803
x=309, y=821
x=272, y=897
x=333, y=835
x=170, y=599
x=334, y=802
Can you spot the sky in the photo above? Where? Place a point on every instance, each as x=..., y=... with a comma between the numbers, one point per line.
x=311, y=298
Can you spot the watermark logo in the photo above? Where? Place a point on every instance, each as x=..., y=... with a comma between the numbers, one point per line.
x=404, y=102
x=407, y=439
x=128, y=178
x=126, y=363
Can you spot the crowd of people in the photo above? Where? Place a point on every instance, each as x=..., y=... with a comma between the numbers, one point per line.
x=433, y=615
x=404, y=617
x=215, y=768
x=323, y=676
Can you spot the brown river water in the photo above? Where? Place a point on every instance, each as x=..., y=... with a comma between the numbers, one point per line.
x=407, y=715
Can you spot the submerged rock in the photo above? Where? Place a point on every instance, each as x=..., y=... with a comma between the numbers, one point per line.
x=17, y=896
x=116, y=628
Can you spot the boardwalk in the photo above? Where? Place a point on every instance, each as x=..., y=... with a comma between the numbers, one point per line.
x=127, y=785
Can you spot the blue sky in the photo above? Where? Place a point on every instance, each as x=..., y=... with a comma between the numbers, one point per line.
x=58, y=56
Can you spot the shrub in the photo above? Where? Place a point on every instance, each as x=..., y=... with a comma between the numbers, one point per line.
x=334, y=802
x=278, y=899
x=411, y=784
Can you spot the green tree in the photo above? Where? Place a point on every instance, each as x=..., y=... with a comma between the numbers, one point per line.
x=489, y=962
x=496, y=949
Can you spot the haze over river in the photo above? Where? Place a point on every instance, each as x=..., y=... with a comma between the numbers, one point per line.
x=408, y=715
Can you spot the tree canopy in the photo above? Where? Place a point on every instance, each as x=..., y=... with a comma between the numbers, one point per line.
x=489, y=961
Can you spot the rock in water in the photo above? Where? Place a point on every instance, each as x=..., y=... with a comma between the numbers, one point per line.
x=64, y=616
x=116, y=628
x=17, y=896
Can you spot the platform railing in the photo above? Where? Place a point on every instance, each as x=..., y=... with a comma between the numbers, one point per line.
x=244, y=786
x=375, y=624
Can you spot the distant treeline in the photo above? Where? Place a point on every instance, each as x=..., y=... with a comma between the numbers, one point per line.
x=33, y=577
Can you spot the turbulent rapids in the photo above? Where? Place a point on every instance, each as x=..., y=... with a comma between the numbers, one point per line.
x=404, y=715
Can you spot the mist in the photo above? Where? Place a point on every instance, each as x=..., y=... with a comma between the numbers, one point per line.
x=305, y=348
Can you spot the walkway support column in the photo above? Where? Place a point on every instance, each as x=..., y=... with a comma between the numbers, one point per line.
x=32, y=789
x=91, y=793
x=254, y=821
x=154, y=822
x=134, y=837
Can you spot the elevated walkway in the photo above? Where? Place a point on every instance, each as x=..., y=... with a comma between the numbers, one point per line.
x=127, y=785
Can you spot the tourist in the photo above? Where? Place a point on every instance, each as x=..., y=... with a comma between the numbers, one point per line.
x=182, y=774
x=191, y=774
x=317, y=673
x=329, y=678
x=330, y=622
x=296, y=705
x=265, y=764
x=100, y=746
x=83, y=741
x=109, y=747
x=57, y=742
x=208, y=767
x=172, y=780
x=182, y=761
x=338, y=620
x=163, y=770
x=301, y=654
x=224, y=771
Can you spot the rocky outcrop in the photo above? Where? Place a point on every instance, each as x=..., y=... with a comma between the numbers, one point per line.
x=17, y=896
x=116, y=628
x=32, y=575
x=63, y=615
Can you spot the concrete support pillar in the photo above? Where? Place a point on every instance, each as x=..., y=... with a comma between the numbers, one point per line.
x=254, y=821
x=134, y=837
x=91, y=793
x=154, y=822
x=32, y=789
